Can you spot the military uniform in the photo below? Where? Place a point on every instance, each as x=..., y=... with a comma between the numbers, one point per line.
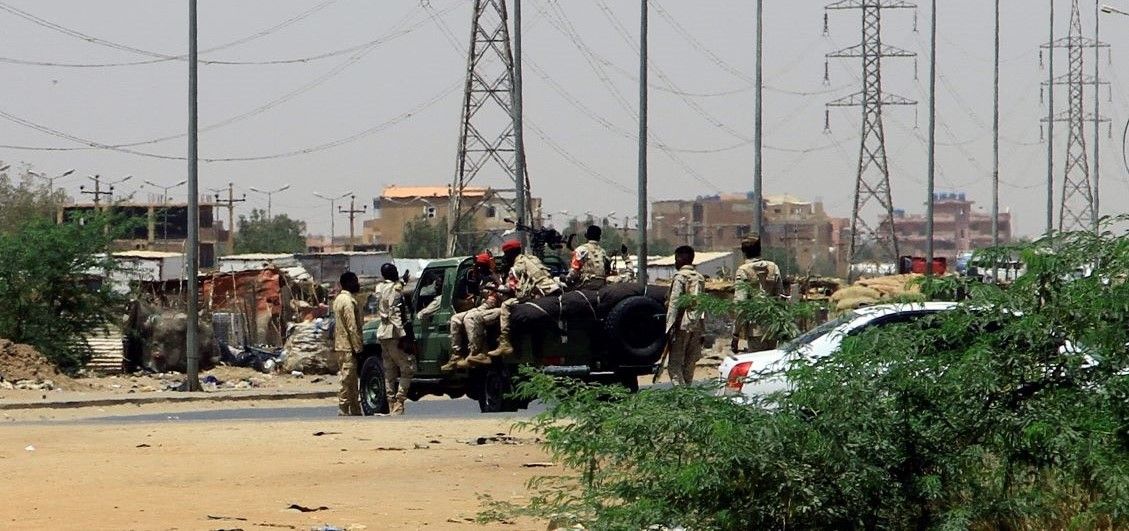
x=399, y=366
x=589, y=266
x=471, y=324
x=529, y=279
x=347, y=344
x=685, y=325
x=756, y=274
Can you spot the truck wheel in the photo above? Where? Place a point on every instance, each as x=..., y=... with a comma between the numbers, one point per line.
x=635, y=330
x=374, y=395
x=495, y=383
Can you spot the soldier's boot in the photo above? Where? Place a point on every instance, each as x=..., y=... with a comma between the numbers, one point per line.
x=453, y=363
x=475, y=359
x=396, y=406
x=504, y=347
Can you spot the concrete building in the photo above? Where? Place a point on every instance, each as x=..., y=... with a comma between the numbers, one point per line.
x=711, y=264
x=161, y=227
x=957, y=228
x=801, y=230
x=397, y=205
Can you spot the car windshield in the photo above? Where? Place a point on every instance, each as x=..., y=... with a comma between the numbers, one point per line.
x=815, y=333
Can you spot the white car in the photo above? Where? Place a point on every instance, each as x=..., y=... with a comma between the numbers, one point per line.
x=739, y=372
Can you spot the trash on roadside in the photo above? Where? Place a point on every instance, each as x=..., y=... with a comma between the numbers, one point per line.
x=538, y=465
x=29, y=448
x=321, y=433
x=304, y=509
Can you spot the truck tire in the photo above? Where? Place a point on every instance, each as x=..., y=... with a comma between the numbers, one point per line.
x=373, y=393
x=635, y=330
x=496, y=382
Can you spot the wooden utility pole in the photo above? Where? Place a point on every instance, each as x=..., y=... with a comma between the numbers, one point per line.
x=230, y=204
x=97, y=192
x=352, y=217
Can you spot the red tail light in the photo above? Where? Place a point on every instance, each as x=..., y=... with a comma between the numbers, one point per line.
x=736, y=379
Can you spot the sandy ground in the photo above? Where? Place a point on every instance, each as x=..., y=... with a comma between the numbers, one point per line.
x=376, y=473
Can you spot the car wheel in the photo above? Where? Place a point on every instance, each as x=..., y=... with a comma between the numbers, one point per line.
x=374, y=395
x=496, y=382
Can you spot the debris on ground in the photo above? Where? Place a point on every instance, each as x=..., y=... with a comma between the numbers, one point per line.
x=23, y=367
x=538, y=465
x=501, y=438
x=304, y=509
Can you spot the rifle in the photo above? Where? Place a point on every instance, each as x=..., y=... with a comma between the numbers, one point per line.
x=666, y=348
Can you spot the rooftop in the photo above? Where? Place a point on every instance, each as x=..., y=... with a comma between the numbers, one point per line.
x=147, y=254
x=409, y=192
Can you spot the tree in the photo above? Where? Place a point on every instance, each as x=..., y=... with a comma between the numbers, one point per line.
x=49, y=282
x=258, y=234
x=660, y=247
x=423, y=238
x=25, y=198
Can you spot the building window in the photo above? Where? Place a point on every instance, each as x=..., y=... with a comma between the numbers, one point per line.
x=698, y=212
x=429, y=212
x=491, y=212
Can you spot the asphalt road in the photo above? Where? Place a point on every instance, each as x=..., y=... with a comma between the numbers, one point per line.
x=426, y=409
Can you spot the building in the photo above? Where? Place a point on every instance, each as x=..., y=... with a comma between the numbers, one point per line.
x=957, y=228
x=800, y=231
x=398, y=205
x=160, y=227
x=710, y=264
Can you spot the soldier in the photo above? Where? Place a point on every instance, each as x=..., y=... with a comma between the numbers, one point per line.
x=399, y=366
x=590, y=265
x=526, y=280
x=755, y=274
x=480, y=282
x=684, y=326
x=347, y=342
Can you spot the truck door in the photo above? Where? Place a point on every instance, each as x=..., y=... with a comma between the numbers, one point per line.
x=433, y=334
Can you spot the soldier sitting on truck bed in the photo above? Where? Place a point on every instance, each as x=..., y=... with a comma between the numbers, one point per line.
x=481, y=283
x=590, y=266
x=527, y=279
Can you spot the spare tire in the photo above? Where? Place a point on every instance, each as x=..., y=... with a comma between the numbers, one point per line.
x=636, y=331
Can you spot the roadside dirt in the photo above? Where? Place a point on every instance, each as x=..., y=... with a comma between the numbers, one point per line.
x=374, y=473
x=22, y=362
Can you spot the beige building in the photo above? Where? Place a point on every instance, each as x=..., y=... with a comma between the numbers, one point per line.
x=397, y=205
x=957, y=228
x=161, y=227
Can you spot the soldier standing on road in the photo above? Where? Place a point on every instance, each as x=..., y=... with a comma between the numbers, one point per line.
x=347, y=343
x=467, y=325
x=684, y=326
x=590, y=265
x=760, y=275
x=526, y=280
x=399, y=366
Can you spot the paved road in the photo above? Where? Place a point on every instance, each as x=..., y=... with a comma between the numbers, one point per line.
x=427, y=409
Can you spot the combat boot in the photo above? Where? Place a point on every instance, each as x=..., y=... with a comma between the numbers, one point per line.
x=453, y=362
x=396, y=406
x=504, y=347
x=475, y=359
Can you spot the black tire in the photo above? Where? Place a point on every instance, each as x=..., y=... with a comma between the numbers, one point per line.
x=635, y=330
x=496, y=383
x=373, y=393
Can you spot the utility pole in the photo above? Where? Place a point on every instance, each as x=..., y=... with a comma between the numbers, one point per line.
x=996, y=142
x=1076, y=210
x=522, y=201
x=98, y=192
x=333, y=213
x=1050, y=120
x=1097, y=123
x=270, y=198
x=488, y=136
x=192, y=381
x=230, y=204
x=872, y=183
x=642, y=171
x=932, y=170
x=758, y=130
x=352, y=216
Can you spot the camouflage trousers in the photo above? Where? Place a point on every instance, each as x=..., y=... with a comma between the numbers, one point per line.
x=399, y=367
x=348, y=400
x=467, y=326
x=684, y=355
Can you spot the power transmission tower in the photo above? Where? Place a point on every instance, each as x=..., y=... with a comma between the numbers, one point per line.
x=872, y=184
x=487, y=136
x=1076, y=210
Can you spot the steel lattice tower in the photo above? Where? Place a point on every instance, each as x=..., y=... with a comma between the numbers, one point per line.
x=486, y=132
x=872, y=184
x=1076, y=211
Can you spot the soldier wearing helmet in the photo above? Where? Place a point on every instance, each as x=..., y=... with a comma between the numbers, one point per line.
x=399, y=366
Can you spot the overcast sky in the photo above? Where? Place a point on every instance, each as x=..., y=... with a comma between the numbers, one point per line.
x=580, y=96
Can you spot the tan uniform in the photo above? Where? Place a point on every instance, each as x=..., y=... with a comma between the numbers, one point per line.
x=347, y=344
x=685, y=325
x=529, y=279
x=588, y=269
x=399, y=366
x=756, y=274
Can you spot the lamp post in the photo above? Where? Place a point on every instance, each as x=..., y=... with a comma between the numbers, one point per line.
x=270, y=197
x=165, y=189
x=332, y=211
x=50, y=180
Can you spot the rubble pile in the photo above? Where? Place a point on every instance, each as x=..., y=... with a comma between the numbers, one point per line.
x=23, y=367
x=308, y=350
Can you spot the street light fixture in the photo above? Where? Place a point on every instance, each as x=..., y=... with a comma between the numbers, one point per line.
x=1108, y=9
x=50, y=180
x=270, y=196
x=165, y=189
x=332, y=211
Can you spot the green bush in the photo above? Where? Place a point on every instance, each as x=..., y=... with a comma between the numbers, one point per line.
x=1011, y=412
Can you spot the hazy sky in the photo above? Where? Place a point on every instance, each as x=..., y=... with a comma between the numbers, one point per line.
x=580, y=95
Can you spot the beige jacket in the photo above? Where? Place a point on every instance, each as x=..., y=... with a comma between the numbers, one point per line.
x=347, y=330
x=686, y=281
x=390, y=309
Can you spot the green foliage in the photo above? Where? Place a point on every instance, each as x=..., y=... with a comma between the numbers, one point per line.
x=258, y=234
x=26, y=198
x=423, y=238
x=660, y=247
x=49, y=285
x=785, y=259
x=778, y=319
x=1010, y=412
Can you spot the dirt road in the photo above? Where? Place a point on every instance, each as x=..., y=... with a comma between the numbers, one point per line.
x=377, y=474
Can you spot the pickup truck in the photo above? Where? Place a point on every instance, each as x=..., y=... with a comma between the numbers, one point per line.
x=620, y=339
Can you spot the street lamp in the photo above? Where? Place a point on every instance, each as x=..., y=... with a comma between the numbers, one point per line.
x=269, y=194
x=332, y=211
x=1110, y=9
x=50, y=180
x=165, y=189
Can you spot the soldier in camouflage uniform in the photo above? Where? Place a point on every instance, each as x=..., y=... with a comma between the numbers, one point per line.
x=526, y=280
x=399, y=366
x=347, y=343
x=755, y=274
x=684, y=326
x=590, y=265
x=468, y=325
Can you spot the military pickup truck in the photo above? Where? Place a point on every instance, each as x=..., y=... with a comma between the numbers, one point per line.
x=619, y=339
